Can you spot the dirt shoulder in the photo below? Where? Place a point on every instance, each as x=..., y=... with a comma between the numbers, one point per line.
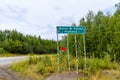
x=72, y=75
x=6, y=74
x=99, y=75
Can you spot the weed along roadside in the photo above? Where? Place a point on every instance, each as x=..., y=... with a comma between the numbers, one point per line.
x=36, y=67
x=41, y=67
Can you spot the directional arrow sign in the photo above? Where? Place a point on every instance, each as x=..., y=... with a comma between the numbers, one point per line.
x=70, y=30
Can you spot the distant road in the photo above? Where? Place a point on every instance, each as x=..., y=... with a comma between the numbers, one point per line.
x=8, y=60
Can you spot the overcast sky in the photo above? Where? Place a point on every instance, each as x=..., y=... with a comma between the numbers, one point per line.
x=40, y=17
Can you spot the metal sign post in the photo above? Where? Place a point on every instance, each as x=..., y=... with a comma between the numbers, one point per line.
x=58, y=53
x=84, y=50
x=68, y=52
x=76, y=54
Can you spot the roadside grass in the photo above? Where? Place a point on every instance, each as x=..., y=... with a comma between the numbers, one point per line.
x=8, y=55
x=109, y=74
x=38, y=67
x=100, y=69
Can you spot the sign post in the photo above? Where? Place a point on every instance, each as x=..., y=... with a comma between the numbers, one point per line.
x=76, y=54
x=71, y=30
x=84, y=50
x=68, y=52
x=58, y=53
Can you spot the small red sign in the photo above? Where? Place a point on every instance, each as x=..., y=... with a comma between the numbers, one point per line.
x=63, y=49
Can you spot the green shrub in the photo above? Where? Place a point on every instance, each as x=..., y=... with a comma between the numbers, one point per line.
x=94, y=64
x=21, y=67
x=40, y=68
x=63, y=62
x=81, y=63
x=34, y=59
x=46, y=65
x=73, y=62
x=2, y=51
x=47, y=61
x=50, y=69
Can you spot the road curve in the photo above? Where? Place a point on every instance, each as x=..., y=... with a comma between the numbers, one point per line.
x=8, y=60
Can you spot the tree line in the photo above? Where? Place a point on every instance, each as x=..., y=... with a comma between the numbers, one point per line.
x=102, y=35
x=15, y=42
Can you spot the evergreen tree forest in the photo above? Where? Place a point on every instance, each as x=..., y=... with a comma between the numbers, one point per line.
x=102, y=35
x=15, y=42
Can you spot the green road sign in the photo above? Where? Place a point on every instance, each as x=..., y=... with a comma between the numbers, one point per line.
x=70, y=30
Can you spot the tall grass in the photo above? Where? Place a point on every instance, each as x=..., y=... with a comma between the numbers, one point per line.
x=38, y=67
x=92, y=64
x=8, y=54
x=95, y=64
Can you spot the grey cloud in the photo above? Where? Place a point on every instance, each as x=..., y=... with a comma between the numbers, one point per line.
x=13, y=12
x=66, y=21
x=58, y=8
x=47, y=29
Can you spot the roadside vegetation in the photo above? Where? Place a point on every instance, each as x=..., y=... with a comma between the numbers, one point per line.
x=36, y=67
x=3, y=53
x=39, y=67
x=9, y=55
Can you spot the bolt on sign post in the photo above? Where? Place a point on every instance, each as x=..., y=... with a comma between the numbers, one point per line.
x=71, y=30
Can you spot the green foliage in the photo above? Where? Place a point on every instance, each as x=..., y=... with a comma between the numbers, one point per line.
x=15, y=42
x=94, y=64
x=47, y=64
x=6, y=54
x=21, y=67
x=2, y=51
x=44, y=64
x=36, y=65
x=40, y=68
x=102, y=35
x=63, y=61
x=33, y=59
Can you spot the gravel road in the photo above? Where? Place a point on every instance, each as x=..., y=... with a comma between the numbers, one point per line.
x=8, y=60
x=5, y=73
